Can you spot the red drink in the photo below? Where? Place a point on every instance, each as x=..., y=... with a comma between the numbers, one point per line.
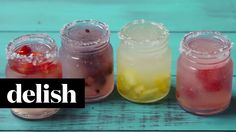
x=28, y=69
x=204, y=73
x=33, y=56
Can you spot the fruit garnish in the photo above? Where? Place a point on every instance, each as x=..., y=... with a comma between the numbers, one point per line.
x=211, y=79
x=120, y=84
x=24, y=50
x=23, y=68
x=139, y=90
x=46, y=67
x=162, y=83
x=214, y=86
x=29, y=68
x=129, y=78
x=148, y=93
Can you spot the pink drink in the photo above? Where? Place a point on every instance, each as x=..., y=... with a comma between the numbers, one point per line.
x=33, y=56
x=87, y=53
x=204, y=73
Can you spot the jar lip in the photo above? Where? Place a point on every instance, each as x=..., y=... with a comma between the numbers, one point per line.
x=41, y=38
x=123, y=35
x=103, y=26
x=225, y=48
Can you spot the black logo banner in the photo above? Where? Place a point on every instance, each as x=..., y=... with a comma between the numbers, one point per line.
x=42, y=93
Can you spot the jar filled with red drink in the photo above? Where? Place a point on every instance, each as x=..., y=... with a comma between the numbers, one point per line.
x=86, y=52
x=33, y=56
x=204, y=73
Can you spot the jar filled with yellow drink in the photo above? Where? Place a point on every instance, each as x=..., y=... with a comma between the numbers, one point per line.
x=144, y=62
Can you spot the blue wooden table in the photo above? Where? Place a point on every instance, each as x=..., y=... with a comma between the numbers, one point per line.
x=18, y=17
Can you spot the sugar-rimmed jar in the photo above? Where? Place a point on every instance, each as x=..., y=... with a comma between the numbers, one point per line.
x=86, y=52
x=204, y=73
x=33, y=56
x=144, y=62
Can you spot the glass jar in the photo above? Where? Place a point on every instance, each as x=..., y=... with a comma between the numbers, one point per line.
x=87, y=53
x=33, y=56
x=204, y=73
x=144, y=62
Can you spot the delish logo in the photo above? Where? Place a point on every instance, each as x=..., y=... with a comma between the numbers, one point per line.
x=42, y=93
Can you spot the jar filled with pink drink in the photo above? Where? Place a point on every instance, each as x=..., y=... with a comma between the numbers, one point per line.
x=33, y=56
x=204, y=73
x=86, y=52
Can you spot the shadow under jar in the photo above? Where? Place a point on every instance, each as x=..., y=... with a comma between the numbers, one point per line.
x=204, y=73
x=143, y=63
x=87, y=53
x=33, y=56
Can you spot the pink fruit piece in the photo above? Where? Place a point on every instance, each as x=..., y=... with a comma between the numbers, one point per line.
x=211, y=79
x=23, y=68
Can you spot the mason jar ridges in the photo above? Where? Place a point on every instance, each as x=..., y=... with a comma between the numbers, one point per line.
x=85, y=36
x=140, y=76
x=33, y=56
x=204, y=73
x=87, y=53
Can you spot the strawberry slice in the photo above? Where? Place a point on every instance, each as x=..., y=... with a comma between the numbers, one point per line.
x=24, y=68
x=211, y=79
x=24, y=50
x=46, y=67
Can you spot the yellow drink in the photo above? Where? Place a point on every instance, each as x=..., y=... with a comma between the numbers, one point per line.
x=144, y=60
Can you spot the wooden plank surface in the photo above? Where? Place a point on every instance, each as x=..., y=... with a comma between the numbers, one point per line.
x=115, y=113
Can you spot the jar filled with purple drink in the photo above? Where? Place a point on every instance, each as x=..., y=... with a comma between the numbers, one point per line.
x=87, y=53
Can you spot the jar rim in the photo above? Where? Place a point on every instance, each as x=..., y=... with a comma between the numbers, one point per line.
x=224, y=42
x=163, y=34
x=103, y=26
x=41, y=38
